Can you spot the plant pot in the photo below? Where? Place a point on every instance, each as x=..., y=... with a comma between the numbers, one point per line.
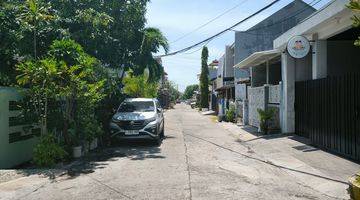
x=86, y=147
x=94, y=144
x=354, y=187
x=77, y=151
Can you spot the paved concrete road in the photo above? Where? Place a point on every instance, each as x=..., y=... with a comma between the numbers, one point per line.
x=198, y=160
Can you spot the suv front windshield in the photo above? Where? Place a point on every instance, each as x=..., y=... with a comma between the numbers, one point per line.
x=137, y=106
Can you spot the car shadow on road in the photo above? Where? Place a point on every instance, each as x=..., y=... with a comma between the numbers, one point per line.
x=139, y=149
x=133, y=150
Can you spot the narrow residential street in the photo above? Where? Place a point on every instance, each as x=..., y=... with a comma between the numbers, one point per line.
x=200, y=159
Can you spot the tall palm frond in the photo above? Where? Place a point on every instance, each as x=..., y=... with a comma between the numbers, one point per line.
x=153, y=40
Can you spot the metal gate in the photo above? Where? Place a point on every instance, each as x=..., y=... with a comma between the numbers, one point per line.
x=328, y=113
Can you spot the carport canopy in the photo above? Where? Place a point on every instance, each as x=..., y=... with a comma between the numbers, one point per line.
x=258, y=58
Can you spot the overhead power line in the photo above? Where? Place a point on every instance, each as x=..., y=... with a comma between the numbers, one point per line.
x=311, y=4
x=217, y=17
x=222, y=32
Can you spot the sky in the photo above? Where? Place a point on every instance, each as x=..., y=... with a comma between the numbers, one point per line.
x=175, y=18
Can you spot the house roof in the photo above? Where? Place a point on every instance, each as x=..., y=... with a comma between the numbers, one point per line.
x=258, y=58
x=214, y=63
x=328, y=21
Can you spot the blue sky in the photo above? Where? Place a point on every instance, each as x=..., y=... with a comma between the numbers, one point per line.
x=178, y=17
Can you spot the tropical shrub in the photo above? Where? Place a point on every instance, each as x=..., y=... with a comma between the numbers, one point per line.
x=230, y=113
x=48, y=152
x=139, y=86
x=39, y=77
x=265, y=116
x=90, y=128
x=67, y=74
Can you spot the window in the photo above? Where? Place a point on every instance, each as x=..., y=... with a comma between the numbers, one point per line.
x=137, y=106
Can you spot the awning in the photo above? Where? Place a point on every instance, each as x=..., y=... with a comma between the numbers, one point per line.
x=258, y=58
x=225, y=87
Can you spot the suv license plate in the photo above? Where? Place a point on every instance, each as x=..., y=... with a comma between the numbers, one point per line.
x=132, y=132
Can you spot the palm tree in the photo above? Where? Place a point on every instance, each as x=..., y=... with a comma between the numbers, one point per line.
x=153, y=41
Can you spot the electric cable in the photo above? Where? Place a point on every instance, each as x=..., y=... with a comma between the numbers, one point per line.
x=222, y=32
x=217, y=17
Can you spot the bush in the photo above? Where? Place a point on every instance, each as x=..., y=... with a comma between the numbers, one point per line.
x=48, y=152
x=265, y=116
x=91, y=128
x=230, y=113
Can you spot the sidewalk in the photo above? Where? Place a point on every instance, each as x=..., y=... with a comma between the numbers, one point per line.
x=311, y=166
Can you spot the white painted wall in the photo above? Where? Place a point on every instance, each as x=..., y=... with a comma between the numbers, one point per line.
x=17, y=152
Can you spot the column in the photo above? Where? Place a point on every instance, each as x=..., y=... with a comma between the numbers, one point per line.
x=288, y=101
x=267, y=72
x=245, y=111
x=319, y=59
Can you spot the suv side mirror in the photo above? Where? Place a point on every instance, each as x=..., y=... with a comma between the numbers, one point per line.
x=158, y=110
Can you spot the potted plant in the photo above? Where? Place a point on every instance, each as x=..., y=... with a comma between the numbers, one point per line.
x=354, y=187
x=76, y=143
x=230, y=114
x=265, y=116
x=91, y=130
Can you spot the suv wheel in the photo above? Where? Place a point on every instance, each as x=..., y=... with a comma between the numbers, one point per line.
x=158, y=140
x=162, y=134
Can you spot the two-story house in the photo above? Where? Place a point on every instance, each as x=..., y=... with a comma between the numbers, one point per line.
x=260, y=38
x=225, y=87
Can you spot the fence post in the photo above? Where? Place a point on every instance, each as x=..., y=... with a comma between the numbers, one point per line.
x=245, y=111
x=266, y=96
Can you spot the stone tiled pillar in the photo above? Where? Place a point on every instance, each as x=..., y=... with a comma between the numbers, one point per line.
x=288, y=93
x=319, y=59
x=245, y=112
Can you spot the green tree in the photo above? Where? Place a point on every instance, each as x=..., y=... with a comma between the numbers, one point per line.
x=354, y=5
x=36, y=18
x=9, y=37
x=173, y=90
x=189, y=91
x=67, y=74
x=152, y=41
x=139, y=86
x=112, y=30
x=77, y=83
x=204, y=79
x=39, y=77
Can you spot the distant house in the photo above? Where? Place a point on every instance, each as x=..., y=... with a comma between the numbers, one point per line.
x=213, y=68
x=163, y=93
x=225, y=87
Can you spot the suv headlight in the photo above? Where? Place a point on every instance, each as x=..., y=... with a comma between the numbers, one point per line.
x=114, y=119
x=153, y=119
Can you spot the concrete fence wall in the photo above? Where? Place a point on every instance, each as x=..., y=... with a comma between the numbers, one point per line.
x=264, y=97
x=274, y=94
x=256, y=101
x=17, y=139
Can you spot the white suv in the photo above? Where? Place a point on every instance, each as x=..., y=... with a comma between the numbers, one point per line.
x=138, y=118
